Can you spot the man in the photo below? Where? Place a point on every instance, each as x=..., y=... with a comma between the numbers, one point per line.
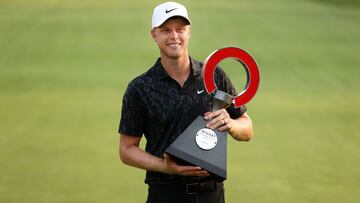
x=162, y=102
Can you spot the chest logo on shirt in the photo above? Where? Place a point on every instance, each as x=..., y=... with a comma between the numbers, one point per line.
x=245, y=59
x=199, y=91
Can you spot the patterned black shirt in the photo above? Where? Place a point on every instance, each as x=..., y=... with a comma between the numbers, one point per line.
x=156, y=106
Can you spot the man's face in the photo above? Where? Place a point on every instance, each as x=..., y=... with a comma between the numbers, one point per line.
x=172, y=37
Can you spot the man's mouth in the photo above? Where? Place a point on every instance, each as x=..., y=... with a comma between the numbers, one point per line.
x=174, y=45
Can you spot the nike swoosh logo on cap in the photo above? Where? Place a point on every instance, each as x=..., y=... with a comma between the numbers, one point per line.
x=168, y=11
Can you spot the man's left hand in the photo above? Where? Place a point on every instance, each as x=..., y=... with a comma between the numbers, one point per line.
x=218, y=120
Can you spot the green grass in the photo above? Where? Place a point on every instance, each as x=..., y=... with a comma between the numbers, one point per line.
x=64, y=66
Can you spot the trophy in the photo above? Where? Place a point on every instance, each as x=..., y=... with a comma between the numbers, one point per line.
x=204, y=147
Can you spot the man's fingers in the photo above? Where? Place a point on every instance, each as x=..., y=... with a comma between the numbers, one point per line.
x=196, y=173
x=206, y=115
x=216, y=123
x=173, y=167
x=193, y=171
x=218, y=120
x=223, y=128
x=226, y=126
x=210, y=115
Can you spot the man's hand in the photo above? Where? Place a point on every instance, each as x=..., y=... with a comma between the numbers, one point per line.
x=171, y=167
x=240, y=128
x=219, y=120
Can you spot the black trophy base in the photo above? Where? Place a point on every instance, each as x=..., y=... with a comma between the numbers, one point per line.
x=187, y=149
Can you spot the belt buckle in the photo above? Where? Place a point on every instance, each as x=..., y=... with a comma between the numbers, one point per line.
x=192, y=188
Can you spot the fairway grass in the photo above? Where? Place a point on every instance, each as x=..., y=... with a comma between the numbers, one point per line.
x=65, y=65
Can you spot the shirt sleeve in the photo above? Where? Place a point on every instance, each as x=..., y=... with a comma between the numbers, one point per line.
x=132, y=121
x=223, y=83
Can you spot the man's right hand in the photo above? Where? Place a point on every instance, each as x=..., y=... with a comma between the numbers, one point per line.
x=171, y=167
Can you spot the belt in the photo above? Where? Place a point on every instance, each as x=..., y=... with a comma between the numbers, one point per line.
x=187, y=188
x=195, y=188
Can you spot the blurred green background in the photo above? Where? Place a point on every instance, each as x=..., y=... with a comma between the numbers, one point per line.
x=64, y=66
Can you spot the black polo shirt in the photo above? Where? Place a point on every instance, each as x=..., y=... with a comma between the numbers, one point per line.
x=156, y=106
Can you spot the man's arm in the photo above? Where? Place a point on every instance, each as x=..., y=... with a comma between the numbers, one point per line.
x=240, y=129
x=131, y=154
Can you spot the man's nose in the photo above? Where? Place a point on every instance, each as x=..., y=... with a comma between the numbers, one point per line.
x=173, y=34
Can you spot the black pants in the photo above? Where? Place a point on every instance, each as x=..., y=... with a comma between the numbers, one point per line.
x=202, y=192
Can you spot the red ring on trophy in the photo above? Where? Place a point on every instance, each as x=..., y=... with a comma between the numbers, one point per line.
x=251, y=69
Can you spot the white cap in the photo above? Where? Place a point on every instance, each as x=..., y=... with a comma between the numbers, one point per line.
x=167, y=10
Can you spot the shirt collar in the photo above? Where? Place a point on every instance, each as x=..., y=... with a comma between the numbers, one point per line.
x=162, y=74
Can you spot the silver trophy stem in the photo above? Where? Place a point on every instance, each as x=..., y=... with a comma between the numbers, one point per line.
x=221, y=100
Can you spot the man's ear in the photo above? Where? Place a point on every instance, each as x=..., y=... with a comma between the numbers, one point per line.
x=153, y=34
x=189, y=31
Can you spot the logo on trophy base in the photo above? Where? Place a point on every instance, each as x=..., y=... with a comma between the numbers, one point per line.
x=206, y=139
